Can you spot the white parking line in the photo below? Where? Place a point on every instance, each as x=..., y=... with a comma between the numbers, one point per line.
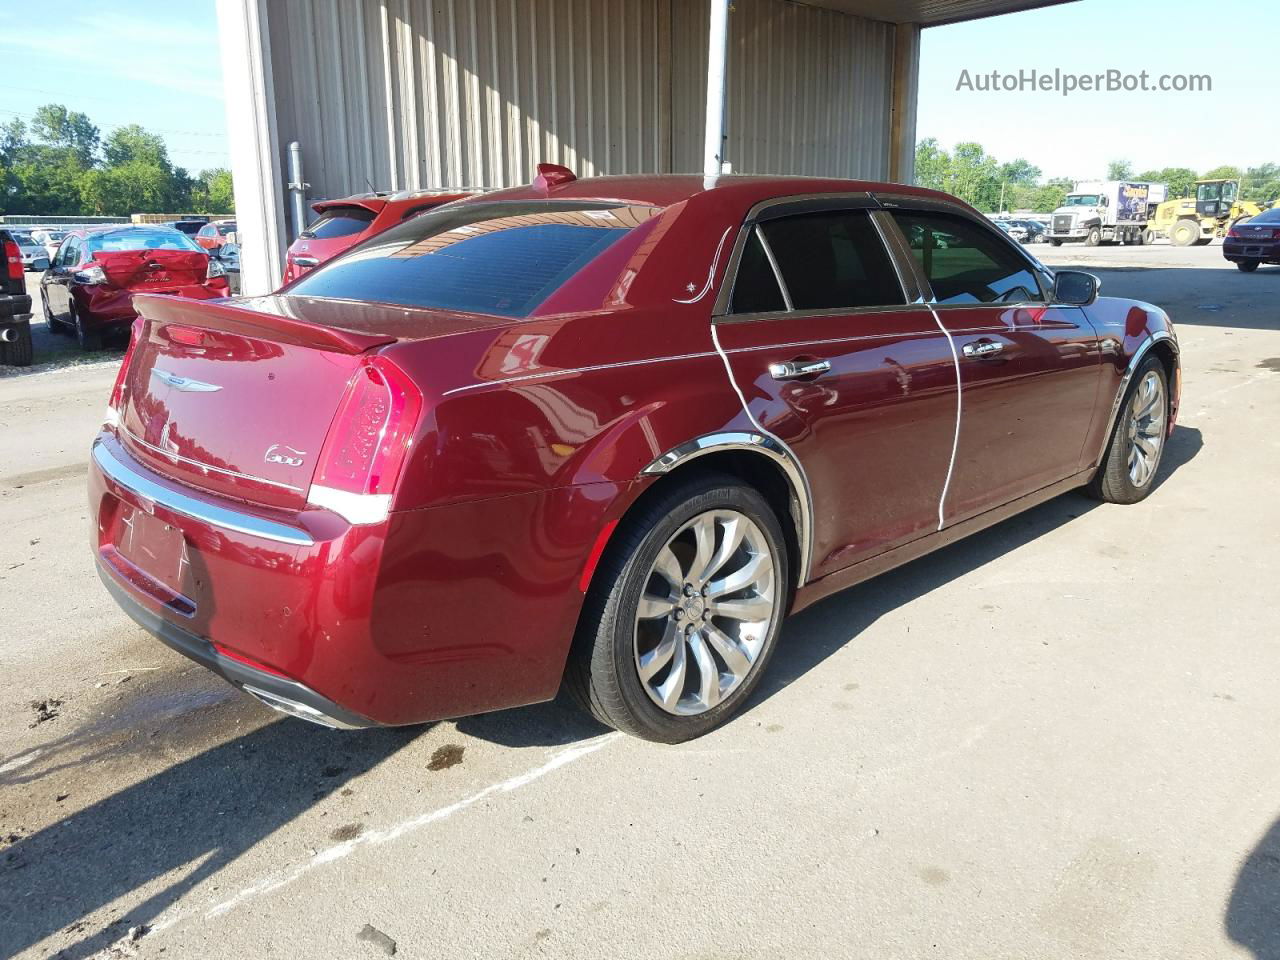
x=395, y=832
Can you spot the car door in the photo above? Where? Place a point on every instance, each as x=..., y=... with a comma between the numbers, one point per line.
x=58, y=276
x=1030, y=369
x=832, y=356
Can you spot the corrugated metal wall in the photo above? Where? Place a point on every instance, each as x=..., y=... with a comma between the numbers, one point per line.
x=407, y=94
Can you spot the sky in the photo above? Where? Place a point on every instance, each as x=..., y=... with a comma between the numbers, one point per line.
x=1076, y=136
x=155, y=62
x=134, y=61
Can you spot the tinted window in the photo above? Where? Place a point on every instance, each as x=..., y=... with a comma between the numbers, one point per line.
x=226, y=228
x=500, y=258
x=833, y=259
x=964, y=262
x=1267, y=216
x=755, y=288
x=340, y=222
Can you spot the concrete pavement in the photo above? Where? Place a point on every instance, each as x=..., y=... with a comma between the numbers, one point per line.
x=1056, y=739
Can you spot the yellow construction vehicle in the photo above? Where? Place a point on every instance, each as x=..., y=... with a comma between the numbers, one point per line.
x=1200, y=219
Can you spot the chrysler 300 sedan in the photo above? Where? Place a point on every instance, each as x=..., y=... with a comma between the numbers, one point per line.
x=601, y=433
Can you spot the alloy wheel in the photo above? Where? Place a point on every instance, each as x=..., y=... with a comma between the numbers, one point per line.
x=705, y=613
x=1146, y=429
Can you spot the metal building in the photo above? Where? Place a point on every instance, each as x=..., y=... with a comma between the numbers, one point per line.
x=418, y=94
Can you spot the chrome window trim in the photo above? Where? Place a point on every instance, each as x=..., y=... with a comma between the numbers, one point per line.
x=146, y=488
x=823, y=312
x=767, y=247
x=765, y=445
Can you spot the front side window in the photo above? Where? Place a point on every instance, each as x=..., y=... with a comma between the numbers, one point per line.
x=503, y=259
x=966, y=263
x=828, y=260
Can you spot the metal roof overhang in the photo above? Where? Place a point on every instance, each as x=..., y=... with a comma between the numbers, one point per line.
x=931, y=13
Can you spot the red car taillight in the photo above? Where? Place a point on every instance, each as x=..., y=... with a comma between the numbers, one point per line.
x=367, y=444
x=116, y=403
x=14, y=256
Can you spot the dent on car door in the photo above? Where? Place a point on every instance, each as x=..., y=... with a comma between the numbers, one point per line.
x=833, y=361
x=1029, y=369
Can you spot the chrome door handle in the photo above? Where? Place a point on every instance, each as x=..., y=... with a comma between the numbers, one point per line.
x=982, y=348
x=794, y=369
x=306, y=261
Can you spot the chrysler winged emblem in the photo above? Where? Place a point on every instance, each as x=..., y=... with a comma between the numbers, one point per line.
x=185, y=384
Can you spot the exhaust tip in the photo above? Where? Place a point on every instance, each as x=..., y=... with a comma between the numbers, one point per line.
x=8, y=335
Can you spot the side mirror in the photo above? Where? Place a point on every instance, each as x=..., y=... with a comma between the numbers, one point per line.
x=1075, y=288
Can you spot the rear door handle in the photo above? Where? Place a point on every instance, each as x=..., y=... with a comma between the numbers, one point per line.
x=306, y=261
x=982, y=348
x=795, y=369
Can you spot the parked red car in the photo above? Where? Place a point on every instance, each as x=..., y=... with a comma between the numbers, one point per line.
x=212, y=236
x=342, y=224
x=601, y=432
x=89, y=287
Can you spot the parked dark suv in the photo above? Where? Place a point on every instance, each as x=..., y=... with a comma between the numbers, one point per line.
x=15, y=306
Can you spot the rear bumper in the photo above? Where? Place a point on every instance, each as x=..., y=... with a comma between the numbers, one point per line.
x=279, y=693
x=106, y=308
x=14, y=307
x=1238, y=251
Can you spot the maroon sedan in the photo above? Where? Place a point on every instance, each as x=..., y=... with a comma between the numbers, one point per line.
x=89, y=287
x=605, y=433
x=342, y=224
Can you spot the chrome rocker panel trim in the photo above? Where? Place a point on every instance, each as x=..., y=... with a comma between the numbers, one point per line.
x=768, y=446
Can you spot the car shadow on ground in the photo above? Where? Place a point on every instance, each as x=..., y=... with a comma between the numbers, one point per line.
x=171, y=831
x=815, y=634
x=1199, y=296
x=1253, y=912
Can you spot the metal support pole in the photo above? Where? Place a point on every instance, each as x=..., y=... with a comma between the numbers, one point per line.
x=297, y=189
x=717, y=54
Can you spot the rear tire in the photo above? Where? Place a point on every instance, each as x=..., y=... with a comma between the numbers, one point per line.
x=1056, y=243
x=89, y=342
x=1185, y=233
x=21, y=351
x=1128, y=469
x=1149, y=236
x=625, y=665
x=1248, y=266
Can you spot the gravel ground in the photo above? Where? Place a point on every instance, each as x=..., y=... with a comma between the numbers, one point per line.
x=1053, y=740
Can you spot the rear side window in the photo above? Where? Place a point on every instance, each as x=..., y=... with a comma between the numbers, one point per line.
x=829, y=260
x=339, y=222
x=501, y=258
x=964, y=262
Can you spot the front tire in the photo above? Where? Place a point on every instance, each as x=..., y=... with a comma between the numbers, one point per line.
x=1128, y=470
x=1094, y=238
x=683, y=613
x=1185, y=233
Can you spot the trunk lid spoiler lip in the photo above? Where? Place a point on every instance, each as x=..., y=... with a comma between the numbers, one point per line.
x=230, y=318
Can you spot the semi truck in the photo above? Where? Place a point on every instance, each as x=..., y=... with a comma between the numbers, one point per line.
x=1105, y=212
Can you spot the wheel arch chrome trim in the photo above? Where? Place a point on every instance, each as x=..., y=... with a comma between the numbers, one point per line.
x=146, y=488
x=1139, y=355
x=772, y=449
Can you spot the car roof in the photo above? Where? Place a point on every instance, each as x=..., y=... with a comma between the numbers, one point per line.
x=665, y=190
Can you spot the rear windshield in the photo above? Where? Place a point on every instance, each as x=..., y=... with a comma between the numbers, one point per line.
x=339, y=222
x=141, y=240
x=496, y=258
x=226, y=228
x=1267, y=216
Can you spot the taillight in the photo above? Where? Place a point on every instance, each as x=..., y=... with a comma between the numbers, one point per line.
x=116, y=404
x=92, y=273
x=367, y=444
x=14, y=256
x=216, y=269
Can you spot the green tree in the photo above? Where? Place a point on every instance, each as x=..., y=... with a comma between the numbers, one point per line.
x=1020, y=171
x=1224, y=172
x=1180, y=180
x=132, y=144
x=975, y=176
x=1119, y=170
x=57, y=126
x=933, y=164
x=211, y=192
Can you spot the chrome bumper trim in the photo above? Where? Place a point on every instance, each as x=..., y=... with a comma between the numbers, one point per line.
x=179, y=502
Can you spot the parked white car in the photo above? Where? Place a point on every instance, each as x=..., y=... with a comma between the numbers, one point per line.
x=49, y=239
x=34, y=255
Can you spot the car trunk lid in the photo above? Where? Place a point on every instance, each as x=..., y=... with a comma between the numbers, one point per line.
x=152, y=269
